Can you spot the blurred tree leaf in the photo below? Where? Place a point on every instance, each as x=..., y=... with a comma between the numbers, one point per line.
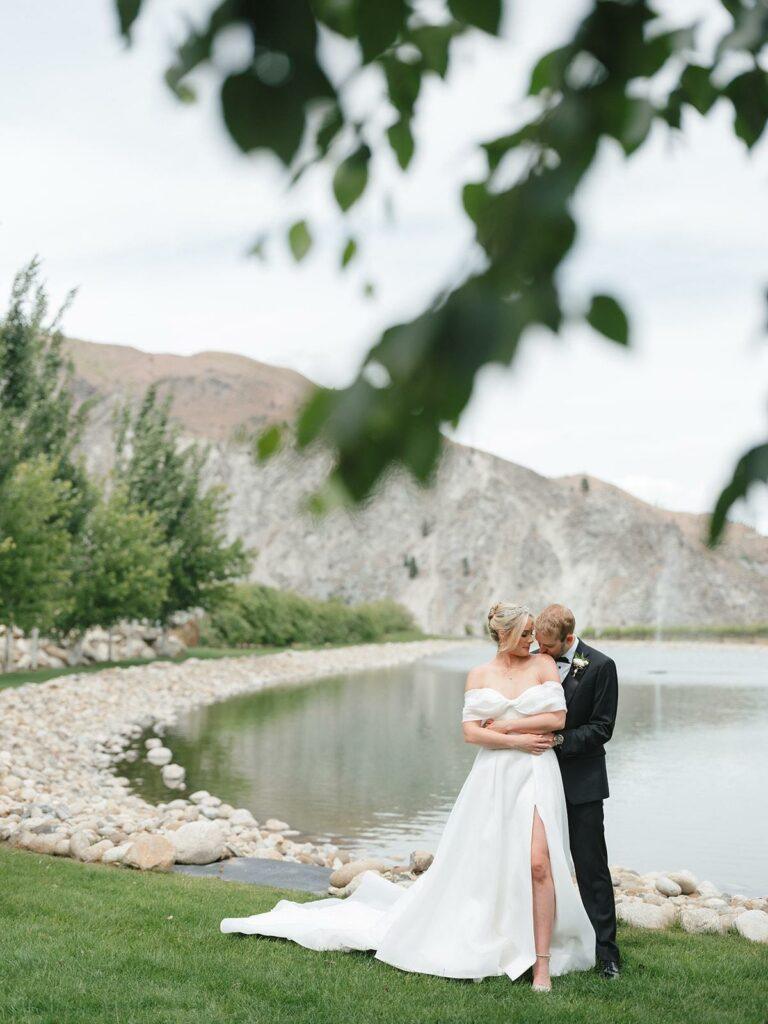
x=127, y=13
x=379, y=24
x=749, y=95
x=751, y=468
x=348, y=252
x=261, y=115
x=299, y=240
x=351, y=177
x=607, y=317
x=434, y=41
x=484, y=14
x=401, y=140
x=403, y=83
x=697, y=89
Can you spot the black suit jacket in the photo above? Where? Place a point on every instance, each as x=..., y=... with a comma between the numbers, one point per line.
x=591, y=697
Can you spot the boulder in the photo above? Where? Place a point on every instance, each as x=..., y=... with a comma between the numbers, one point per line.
x=62, y=848
x=159, y=755
x=667, y=887
x=96, y=852
x=80, y=841
x=707, y=889
x=645, y=915
x=753, y=925
x=275, y=825
x=421, y=860
x=172, y=774
x=243, y=817
x=169, y=646
x=116, y=854
x=150, y=853
x=198, y=842
x=134, y=647
x=351, y=886
x=38, y=843
x=200, y=796
x=686, y=880
x=699, y=920
x=344, y=875
x=153, y=742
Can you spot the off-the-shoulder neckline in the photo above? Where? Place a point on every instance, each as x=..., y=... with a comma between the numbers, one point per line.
x=512, y=700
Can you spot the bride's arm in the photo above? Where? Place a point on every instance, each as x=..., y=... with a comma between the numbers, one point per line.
x=493, y=739
x=546, y=722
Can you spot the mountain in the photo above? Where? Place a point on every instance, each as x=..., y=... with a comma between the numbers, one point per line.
x=488, y=529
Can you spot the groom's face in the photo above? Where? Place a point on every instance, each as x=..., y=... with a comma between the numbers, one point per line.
x=551, y=644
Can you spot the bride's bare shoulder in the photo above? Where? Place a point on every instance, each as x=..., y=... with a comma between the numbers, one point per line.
x=547, y=668
x=477, y=677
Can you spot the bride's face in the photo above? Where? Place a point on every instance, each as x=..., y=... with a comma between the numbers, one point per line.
x=523, y=645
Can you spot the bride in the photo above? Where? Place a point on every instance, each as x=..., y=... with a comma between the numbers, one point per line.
x=499, y=897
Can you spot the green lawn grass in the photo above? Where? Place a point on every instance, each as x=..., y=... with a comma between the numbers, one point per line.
x=89, y=944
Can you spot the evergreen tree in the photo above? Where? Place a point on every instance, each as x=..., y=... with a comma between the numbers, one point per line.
x=164, y=476
x=35, y=548
x=121, y=565
x=38, y=415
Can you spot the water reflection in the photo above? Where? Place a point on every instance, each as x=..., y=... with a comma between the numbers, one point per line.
x=375, y=759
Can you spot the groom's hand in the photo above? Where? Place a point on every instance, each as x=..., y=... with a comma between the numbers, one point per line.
x=532, y=742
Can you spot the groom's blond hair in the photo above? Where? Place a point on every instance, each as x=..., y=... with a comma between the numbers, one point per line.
x=556, y=619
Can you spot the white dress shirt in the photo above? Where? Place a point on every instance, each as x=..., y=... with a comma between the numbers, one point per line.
x=570, y=654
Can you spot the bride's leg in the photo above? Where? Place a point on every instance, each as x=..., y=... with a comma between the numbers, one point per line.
x=543, y=898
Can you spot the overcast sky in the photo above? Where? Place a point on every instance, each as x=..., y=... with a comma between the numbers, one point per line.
x=147, y=207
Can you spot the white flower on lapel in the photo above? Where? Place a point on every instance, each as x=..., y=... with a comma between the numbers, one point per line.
x=579, y=664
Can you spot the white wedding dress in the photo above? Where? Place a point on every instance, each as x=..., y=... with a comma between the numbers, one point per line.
x=470, y=915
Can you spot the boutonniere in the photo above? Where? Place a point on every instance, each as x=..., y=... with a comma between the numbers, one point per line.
x=579, y=664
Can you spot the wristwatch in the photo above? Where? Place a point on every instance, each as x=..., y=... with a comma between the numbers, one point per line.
x=559, y=739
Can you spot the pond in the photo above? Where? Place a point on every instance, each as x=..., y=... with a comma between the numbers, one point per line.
x=374, y=760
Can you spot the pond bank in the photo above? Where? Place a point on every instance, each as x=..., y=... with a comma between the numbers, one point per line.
x=60, y=739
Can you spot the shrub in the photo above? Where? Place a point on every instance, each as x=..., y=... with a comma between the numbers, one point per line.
x=254, y=615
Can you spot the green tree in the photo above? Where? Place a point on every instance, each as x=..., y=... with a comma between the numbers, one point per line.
x=38, y=414
x=622, y=71
x=162, y=475
x=35, y=548
x=121, y=566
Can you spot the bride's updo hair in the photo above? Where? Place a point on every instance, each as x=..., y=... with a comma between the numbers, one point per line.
x=506, y=623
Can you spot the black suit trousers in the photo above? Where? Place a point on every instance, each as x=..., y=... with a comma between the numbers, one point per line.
x=590, y=858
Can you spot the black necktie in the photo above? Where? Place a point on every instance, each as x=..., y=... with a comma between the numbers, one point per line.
x=562, y=661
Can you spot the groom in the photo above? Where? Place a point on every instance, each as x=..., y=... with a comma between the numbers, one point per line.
x=591, y=696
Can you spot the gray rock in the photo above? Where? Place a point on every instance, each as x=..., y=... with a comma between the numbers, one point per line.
x=96, y=852
x=699, y=920
x=116, y=854
x=753, y=925
x=667, y=886
x=421, y=860
x=159, y=755
x=686, y=880
x=344, y=875
x=644, y=915
x=150, y=853
x=198, y=842
x=80, y=841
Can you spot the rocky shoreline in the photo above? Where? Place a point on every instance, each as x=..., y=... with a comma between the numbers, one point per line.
x=60, y=741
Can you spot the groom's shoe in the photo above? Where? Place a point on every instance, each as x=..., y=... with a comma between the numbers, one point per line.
x=608, y=969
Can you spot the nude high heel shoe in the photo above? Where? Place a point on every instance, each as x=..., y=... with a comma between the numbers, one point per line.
x=536, y=987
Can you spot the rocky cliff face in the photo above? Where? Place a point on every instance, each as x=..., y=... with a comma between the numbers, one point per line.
x=487, y=530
